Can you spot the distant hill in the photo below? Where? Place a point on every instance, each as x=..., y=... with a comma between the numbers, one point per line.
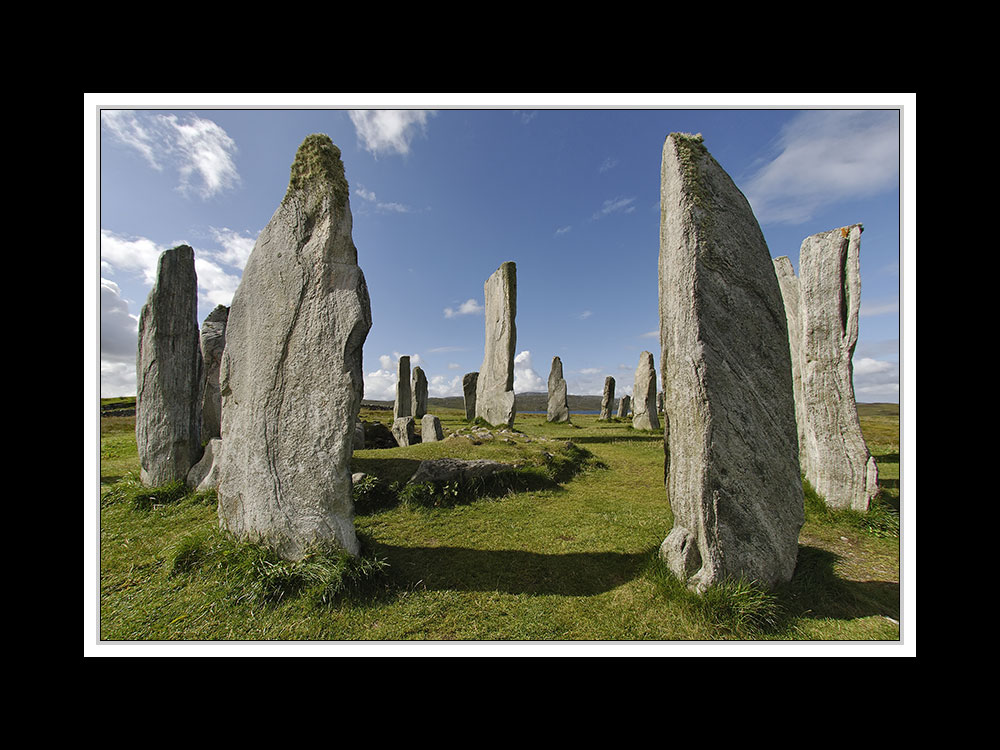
x=878, y=410
x=523, y=402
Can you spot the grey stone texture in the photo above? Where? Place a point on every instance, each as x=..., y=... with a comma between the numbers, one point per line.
x=495, y=387
x=659, y=402
x=169, y=371
x=204, y=475
x=469, y=381
x=731, y=453
x=213, y=342
x=404, y=429
x=608, y=399
x=558, y=406
x=430, y=429
x=291, y=373
x=453, y=469
x=624, y=406
x=403, y=406
x=644, y=395
x=821, y=306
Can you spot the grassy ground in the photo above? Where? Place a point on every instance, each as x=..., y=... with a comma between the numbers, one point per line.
x=567, y=554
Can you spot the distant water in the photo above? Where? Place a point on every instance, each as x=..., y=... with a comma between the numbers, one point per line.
x=571, y=411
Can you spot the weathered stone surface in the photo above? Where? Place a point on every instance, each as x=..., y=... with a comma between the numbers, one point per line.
x=213, y=342
x=359, y=435
x=469, y=381
x=624, y=406
x=430, y=429
x=204, y=475
x=452, y=469
x=169, y=372
x=821, y=307
x=558, y=406
x=495, y=387
x=659, y=402
x=403, y=406
x=608, y=399
x=419, y=387
x=404, y=429
x=644, y=395
x=291, y=373
x=732, y=467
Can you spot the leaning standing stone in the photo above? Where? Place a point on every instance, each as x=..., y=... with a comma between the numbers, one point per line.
x=624, y=406
x=213, y=342
x=822, y=307
x=419, y=393
x=169, y=372
x=608, y=399
x=495, y=387
x=469, y=381
x=291, y=375
x=558, y=407
x=430, y=429
x=403, y=406
x=732, y=463
x=644, y=395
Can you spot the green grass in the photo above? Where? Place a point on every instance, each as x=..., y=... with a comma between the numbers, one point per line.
x=562, y=549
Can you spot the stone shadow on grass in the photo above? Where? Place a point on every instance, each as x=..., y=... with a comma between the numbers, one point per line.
x=510, y=571
x=817, y=592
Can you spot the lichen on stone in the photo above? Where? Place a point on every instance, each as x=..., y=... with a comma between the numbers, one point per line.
x=318, y=162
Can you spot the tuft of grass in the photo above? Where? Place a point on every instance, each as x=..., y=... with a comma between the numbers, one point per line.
x=254, y=573
x=881, y=520
x=129, y=490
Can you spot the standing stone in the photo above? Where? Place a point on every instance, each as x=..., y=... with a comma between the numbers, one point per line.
x=419, y=388
x=659, y=402
x=469, y=381
x=169, y=372
x=822, y=307
x=291, y=374
x=558, y=409
x=731, y=454
x=405, y=431
x=430, y=429
x=624, y=406
x=495, y=387
x=608, y=400
x=644, y=395
x=213, y=341
x=403, y=406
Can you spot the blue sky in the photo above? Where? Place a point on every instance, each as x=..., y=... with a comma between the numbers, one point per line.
x=441, y=195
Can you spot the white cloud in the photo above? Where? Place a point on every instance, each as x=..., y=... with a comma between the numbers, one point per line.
x=469, y=307
x=130, y=254
x=869, y=366
x=525, y=378
x=440, y=386
x=380, y=385
x=441, y=349
x=650, y=335
x=453, y=365
x=608, y=163
x=215, y=286
x=386, y=361
x=825, y=157
x=563, y=230
x=117, y=379
x=388, y=130
x=876, y=379
x=119, y=328
x=590, y=371
x=585, y=314
x=381, y=206
x=199, y=149
x=236, y=247
x=616, y=205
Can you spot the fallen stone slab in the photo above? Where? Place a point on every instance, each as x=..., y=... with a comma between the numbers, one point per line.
x=456, y=469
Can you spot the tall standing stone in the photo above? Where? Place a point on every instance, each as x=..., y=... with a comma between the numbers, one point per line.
x=495, y=387
x=469, y=381
x=659, y=402
x=608, y=399
x=169, y=372
x=430, y=429
x=624, y=406
x=822, y=307
x=644, y=395
x=403, y=406
x=558, y=407
x=419, y=388
x=732, y=466
x=213, y=342
x=291, y=374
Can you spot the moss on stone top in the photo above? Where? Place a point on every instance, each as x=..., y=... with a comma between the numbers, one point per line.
x=317, y=162
x=690, y=150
